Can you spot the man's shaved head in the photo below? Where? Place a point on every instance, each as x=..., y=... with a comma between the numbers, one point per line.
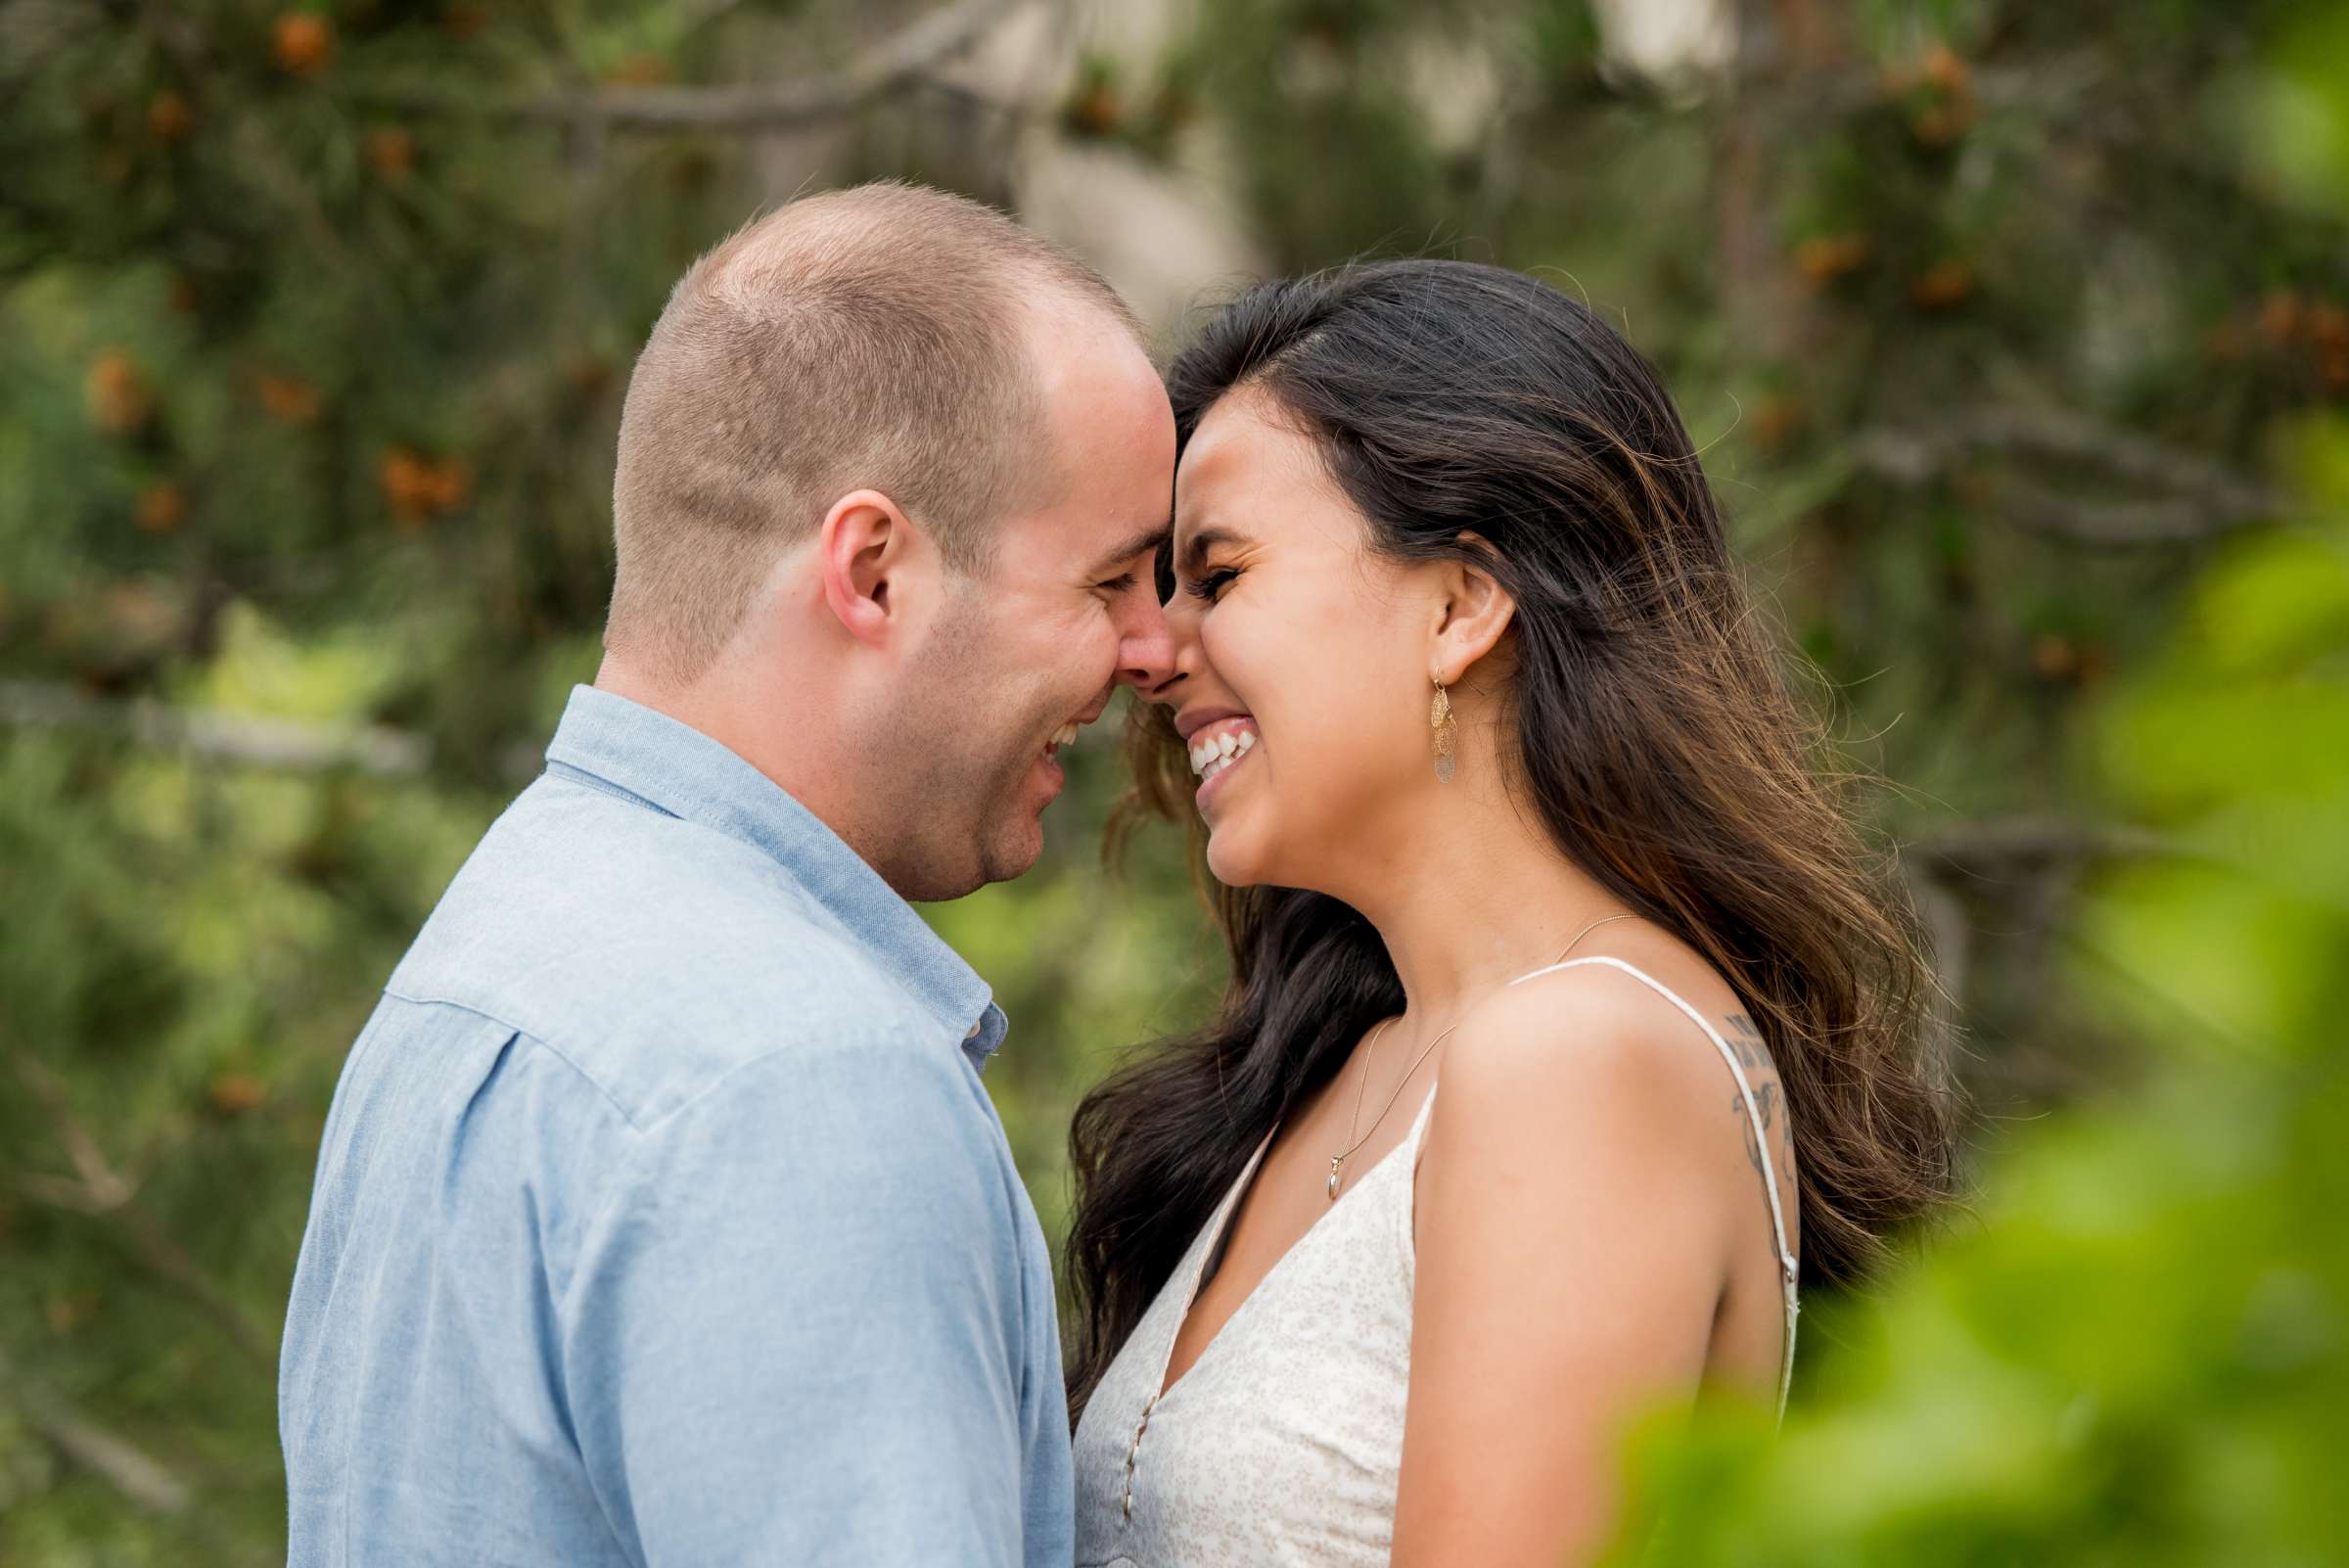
x=872, y=338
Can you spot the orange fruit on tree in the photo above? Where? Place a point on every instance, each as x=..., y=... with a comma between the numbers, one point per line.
x=162, y=507
x=418, y=490
x=233, y=1093
x=1779, y=417
x=2280, y=316
x=640, y=70
x=68, y=1313
x=303, y=43
x=1945, y=69
x=1096, y=111
x=1944, y=286
x=168, y=116
x=1825, y=257
x=288, y=398
x=404, y=478
x=2327, y=325
x=117, y=393
x=389, y=150
x=448, y=485
x=2054, y=657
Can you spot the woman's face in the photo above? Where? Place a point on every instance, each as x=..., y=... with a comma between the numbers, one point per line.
x=1301, y=656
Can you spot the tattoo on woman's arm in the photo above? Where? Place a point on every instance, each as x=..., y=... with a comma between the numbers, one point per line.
x=1766, y=1105
x=1746, y=1040
x=1753, y=1055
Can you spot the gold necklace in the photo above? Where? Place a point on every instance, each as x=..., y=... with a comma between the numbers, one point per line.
x=1337, y=1161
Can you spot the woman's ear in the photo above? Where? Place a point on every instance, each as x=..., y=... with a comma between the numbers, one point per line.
x=1473, y=613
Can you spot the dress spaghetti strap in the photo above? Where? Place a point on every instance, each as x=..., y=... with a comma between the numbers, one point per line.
x=1788, y=1268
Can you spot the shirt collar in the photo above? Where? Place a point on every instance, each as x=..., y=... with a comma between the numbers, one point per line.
x=675, y=768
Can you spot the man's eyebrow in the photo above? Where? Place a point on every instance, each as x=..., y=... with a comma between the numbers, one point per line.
x=1149, y=541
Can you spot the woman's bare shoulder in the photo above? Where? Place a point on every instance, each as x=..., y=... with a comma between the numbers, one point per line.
x=1588, y=1023
x=1590, y=1058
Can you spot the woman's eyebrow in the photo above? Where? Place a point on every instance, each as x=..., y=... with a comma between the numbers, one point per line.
x=1206, y=539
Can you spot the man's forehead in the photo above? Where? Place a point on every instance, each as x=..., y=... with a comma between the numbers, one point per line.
x=1077, y=347
x=1076, y=535
x=1108, y=439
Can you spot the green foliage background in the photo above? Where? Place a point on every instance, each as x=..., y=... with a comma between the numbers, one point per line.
x=2018, y=341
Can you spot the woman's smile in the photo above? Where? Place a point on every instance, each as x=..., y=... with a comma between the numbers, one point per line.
x=1218, y=747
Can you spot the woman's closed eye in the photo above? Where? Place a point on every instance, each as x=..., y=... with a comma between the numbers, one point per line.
x=1212, y=585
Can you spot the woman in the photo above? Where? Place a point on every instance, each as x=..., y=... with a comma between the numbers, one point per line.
x=1504, y=795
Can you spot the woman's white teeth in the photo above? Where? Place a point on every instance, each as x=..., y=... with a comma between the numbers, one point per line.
x=1064, y=735
x=1210, y=756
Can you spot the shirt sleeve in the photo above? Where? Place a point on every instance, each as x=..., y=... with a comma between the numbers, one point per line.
x=794, y=1334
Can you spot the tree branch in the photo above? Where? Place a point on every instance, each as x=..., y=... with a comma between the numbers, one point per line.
x=2201, y=498
x=274, y=743
x=148, y=1486
x=99, y=1190
x=1999, y=848
x=897, y=62
x=284, y=745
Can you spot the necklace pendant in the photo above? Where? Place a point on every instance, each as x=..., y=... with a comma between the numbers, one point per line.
x=1335, y=1166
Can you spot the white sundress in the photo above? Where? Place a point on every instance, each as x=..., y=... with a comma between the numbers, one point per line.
x=1283, y=1442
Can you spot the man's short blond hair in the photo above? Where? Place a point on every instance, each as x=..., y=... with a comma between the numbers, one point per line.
x=869, y=338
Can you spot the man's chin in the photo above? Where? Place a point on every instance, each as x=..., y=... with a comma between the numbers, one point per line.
x=1003, y=857
x=1014, y=852
x=1018, y=840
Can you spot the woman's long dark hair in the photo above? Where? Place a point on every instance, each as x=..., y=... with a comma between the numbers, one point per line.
x=1654, y=731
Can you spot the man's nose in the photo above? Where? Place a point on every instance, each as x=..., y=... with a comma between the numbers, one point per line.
x=1145, y=645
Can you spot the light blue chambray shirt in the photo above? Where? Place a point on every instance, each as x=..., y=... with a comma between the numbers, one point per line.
x=661, y=1218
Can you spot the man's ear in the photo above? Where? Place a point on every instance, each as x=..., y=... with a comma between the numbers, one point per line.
x=864, y=548
x=1473, y=611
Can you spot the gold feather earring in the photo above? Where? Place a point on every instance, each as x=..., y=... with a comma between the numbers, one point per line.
x=1447, y=734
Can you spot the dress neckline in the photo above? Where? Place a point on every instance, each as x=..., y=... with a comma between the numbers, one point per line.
x=1212, y=1237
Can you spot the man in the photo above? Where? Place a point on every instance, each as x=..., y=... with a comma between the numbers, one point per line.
x=660, y=1217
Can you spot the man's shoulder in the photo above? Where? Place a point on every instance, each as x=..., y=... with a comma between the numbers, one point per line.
x=653, y=954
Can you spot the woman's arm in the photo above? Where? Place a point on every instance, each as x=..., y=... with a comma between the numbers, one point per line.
x=1575, y=1211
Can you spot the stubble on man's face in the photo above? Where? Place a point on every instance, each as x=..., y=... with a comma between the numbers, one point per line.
x=965, y=750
